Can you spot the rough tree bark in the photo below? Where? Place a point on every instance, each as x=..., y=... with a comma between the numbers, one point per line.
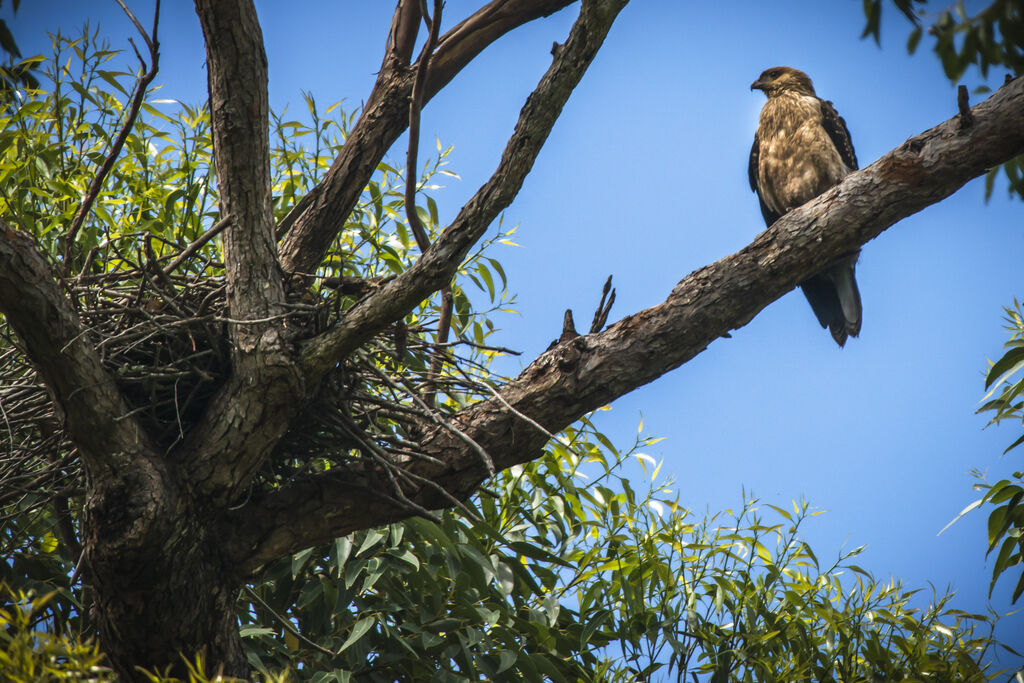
x=169, y=540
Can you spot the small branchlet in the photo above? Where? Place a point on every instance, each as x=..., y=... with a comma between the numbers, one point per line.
x=962, y=102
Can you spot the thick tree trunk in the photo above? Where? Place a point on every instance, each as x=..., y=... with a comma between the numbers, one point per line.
x=162, y=589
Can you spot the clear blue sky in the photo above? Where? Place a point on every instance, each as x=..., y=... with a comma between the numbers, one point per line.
x=644, y=177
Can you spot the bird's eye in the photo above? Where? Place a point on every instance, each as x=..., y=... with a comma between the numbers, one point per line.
x=774, y=74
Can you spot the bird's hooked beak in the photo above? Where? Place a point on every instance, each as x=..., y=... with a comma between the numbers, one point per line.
x=759, y=85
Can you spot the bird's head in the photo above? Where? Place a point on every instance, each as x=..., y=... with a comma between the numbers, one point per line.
x=780, y=79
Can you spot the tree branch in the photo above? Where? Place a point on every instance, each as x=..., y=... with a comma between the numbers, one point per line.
x=411, y=177
x=115, y=149
x=93, y=409
x=405, y=26
x=438, y=264
x=239, y=113
x=587, y=372
x=251, y=412
x=415, y=104
x=316, y=223
x=196, y=245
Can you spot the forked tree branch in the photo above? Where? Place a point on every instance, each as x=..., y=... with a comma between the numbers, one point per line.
x=587, y=372
x=253, y=410
x=317, y=219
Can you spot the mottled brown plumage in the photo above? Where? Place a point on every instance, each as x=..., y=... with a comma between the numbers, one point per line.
x=802, y=148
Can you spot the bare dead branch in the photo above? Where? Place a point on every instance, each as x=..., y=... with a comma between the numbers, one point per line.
x=568, y=328
x=150, y=43
x=411, y=183
x=415, y=104
x=604, y=307
x=964, y=105
x=444, y=327
x=115, y=149
x=197, y=244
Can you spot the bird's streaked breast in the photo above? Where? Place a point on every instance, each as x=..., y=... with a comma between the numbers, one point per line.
x=798, y=160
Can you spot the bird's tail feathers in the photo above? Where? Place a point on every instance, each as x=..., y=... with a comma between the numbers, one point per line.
x=835, y=299
x=842, y=274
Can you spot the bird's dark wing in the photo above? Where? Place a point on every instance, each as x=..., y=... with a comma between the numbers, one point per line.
x=755, y=153
x=835, y=126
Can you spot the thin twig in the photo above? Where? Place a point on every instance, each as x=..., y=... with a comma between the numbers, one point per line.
x=253, y=321
x=197, y=244
x=525, y=418
x=445, y=424
x=964, y=105
x=422, y=240
x=415, y=104
x=151, y=44
x=444, y=325
x=122, y=136
x=287, y=624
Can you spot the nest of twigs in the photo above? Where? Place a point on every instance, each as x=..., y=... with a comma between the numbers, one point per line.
x=165, y=341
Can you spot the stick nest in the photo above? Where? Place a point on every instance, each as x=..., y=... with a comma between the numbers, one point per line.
x=165, y=341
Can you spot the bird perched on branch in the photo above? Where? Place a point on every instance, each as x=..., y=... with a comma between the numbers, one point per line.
x=802, y=148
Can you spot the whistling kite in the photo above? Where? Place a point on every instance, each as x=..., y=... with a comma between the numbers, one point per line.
x=802, y=148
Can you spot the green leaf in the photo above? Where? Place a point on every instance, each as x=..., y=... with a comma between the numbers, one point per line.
x=299, y=561
x=255, y=631
x=1019, y=589
x=111, y=78
x=372, y=538
x=342, y=548
x=1014, y=444
x=359, y=629
x=914, y=39
x=506, y=658
x=1003, y=558
x=432, y=208
x=1011, y=362
x=486, y=275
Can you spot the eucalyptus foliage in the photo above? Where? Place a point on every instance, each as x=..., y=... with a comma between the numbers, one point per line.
x=566, y=571
x=965, y=37
x=1005, y=498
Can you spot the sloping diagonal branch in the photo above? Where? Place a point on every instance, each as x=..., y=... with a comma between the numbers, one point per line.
x=589, y=371
x=315, y=222
x=439, y=263
x=48, y=326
